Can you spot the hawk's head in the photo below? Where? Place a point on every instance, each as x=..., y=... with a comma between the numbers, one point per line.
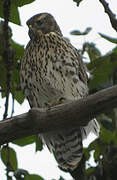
x=42, y=23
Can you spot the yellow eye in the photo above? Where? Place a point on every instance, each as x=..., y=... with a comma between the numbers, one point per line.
x=30, y=26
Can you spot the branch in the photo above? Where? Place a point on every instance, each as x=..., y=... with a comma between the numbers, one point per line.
x=111, y=15
x=8, y=52
x=76, y=113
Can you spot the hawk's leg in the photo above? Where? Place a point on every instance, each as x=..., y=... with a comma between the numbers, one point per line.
x=49, y=105
x=61, y=100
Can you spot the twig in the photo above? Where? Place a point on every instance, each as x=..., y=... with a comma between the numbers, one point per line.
x=74, y=114
x=6, y=11
x=8, y=55
x=111, y=15
x=8, y=59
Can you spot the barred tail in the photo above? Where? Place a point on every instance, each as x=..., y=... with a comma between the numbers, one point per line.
x=67, y=146
x=92, y=126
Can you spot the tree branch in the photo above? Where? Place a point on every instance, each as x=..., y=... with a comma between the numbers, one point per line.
x=111, y=15
x=76, y=113
x=8, y=54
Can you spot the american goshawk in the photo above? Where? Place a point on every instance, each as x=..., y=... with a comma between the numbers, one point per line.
x=51, y=70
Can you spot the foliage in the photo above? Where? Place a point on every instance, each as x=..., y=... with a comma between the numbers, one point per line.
x=14, y=13
x=102, y=70
x=108, y=38
x=77, y=32
x=99, y=76
x=9, y=155
x=33, y=177
x=103, y=74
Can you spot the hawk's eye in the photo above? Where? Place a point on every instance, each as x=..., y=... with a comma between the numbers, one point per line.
x=39, y=22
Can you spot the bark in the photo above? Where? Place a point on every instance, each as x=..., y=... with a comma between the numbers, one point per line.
x=76, y=113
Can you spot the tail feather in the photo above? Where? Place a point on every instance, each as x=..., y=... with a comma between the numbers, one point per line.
x=67, y=144
x=92, y=126
x=67, y=147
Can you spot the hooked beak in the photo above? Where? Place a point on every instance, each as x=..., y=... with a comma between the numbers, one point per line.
x=30, y=32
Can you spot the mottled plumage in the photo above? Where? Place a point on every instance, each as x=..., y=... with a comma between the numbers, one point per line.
x=51, y=70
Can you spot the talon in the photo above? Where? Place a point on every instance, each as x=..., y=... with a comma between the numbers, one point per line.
x=49, y=105
x=61, y=100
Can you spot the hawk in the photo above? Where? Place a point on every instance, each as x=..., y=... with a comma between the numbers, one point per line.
x=52, y=71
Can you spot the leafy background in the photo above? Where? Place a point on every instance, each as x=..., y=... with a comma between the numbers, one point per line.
x=102, y=70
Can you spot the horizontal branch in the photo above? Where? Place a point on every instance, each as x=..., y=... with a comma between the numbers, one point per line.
x=76, y=113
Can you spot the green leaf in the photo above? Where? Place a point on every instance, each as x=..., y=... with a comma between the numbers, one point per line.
x=19, y=50
x=101, y=70
x=106, y=121
x=8, y=156
x=20, y=3
x=94, y=146
x=96, y=153
x=108, y=38
x=87, y=153
x=20, y=174
x=15, y=79
x=106, y=135
x=33, y=177
x=14, y=13
x=90, y=170
x=78, y=33
x=114, y=50
x=25, y=141
x=15, y=82
x=2, y=76
x=19, y=96
x=39, y=144
x=92, y=51
x=87, y=30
